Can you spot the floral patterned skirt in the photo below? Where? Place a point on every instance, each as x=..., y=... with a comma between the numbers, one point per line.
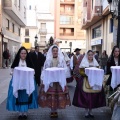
x=54, y=98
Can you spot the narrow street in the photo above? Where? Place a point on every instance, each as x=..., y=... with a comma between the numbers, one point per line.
x=71, y=113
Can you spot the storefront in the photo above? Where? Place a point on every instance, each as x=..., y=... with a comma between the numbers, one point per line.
x=97, y=45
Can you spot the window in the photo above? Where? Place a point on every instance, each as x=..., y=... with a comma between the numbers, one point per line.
x=7, y=24
x=30, y=7
x=19, y=4
x=69, y=8
x=43, y=25
x=111, y=25
x=96, y=32
x=67, y=20
x=19, y=31
x=12, y=27
x=26, y=40
x=26, y=32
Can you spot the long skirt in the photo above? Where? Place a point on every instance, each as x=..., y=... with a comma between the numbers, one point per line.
x=23, y=102
x=54, y=98
x=87, y=100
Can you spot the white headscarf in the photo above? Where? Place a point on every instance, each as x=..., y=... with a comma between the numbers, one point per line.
x=85, y=62
x=66, y=57
x=49, y=59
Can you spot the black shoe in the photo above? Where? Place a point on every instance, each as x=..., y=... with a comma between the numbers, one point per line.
x=25, y=116
x=92, y=116
x=87, y=116
x=56, y=115
x=20, y=117
x=52, y=115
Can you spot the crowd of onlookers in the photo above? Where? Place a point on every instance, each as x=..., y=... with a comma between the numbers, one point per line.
x=102, y=59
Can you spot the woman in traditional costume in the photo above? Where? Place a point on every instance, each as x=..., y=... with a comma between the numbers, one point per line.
x=55, y=98
x=114, y=60
x=68, y=72
x=85, y=99
x=23, y=102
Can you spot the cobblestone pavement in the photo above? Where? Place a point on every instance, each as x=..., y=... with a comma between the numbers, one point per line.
x=70, y=113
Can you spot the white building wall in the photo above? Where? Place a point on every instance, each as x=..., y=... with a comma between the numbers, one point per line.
x=32, y=34
x=65, y=45
x=50, y=29
x=12, y=40
x=40, y=12
x=31, y=13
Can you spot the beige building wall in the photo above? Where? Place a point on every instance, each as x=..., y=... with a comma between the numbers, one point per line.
x=68, y=24
x=106, y=36
x=101, y=29
x=13, y=16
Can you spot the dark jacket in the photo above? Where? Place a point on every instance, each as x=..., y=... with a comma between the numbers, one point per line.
x=38, y=62
x=103, y=60
x=6, y=55
x=110, y=63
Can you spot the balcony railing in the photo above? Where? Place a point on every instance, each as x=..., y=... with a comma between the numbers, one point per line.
x=66, y=13
x=43, y=31
x=67, y=34
x=67, y=22
x=67, y=1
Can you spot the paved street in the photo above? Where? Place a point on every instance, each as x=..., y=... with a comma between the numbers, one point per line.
x=71, y=113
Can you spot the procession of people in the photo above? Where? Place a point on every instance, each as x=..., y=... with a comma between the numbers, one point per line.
x=51, y=72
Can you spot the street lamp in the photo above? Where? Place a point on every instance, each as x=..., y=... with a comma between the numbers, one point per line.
x=115, y=11
x=114, y=7
x=36, y=40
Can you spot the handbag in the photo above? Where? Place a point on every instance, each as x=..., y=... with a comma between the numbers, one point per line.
x=87, y=88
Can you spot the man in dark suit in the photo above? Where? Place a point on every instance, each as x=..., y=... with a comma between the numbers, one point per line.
x=38, y=62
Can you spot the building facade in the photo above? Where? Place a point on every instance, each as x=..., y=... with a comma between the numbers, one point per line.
x=46, y=28
x=13, y=17
x=30, y=30
x=68, y=25
x=99, y=25
x=40, y=23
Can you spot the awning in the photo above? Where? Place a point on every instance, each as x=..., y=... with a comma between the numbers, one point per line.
x=27, y=45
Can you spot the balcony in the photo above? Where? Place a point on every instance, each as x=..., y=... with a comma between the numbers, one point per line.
x=66, y=20
x=91, y=17
x=67, y=9
x=15, y=12
x=67, y=34
x=66, y=13
x=43, y=31
x=67, y=1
